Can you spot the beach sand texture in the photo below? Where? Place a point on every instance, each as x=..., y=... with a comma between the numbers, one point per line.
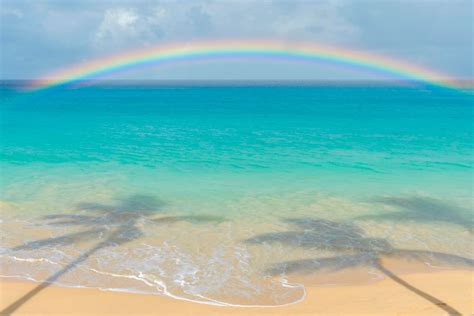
x=454, y=290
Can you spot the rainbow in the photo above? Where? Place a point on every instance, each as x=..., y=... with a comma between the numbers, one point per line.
x=244, y=49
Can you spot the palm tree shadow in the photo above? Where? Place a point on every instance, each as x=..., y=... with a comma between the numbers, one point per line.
x=423, y=209
x=357, y=250
x=114, y=224
x=116, y=238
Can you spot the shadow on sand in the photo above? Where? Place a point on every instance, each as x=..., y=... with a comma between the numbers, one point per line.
x=112, y=225
x=355, y=248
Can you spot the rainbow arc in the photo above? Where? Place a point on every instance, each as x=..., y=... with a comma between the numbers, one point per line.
x=244, y=49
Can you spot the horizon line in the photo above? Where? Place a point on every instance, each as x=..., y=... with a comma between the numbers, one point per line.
x=462, y=83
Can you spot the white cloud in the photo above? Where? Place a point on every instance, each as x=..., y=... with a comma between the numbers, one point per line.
x=181, y=21
x=130, y=27
x=116, y=23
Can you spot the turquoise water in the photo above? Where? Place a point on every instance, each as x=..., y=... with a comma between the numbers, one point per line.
x=228, y=165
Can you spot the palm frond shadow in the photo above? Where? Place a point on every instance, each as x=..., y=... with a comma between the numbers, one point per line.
x=423, y=209
x=112, y=225
x=357, y=250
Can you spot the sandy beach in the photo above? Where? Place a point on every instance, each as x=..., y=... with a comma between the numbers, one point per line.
x=454, y=289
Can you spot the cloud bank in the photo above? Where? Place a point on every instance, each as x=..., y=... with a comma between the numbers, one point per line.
x=38, y=36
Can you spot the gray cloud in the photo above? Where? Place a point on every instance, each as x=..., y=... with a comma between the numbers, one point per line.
x=40, y=35
x=435, y=33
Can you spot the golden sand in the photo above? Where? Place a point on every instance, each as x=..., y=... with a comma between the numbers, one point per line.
x=453, y=290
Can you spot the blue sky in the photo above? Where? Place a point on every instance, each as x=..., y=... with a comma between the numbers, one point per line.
x=39, y=36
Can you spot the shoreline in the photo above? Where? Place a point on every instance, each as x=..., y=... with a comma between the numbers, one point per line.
x=452, y=288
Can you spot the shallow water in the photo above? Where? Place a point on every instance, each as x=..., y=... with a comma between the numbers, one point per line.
x=224, y=195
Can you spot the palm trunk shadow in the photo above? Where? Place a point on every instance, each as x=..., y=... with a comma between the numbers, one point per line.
x=25, y=298
x=440, y=304
x=122, y=216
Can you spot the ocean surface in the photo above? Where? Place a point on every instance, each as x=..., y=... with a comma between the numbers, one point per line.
x=235, y=194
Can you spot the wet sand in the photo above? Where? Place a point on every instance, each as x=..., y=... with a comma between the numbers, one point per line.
x=453, y=290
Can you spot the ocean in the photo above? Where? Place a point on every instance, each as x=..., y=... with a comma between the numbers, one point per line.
x=233, y=194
